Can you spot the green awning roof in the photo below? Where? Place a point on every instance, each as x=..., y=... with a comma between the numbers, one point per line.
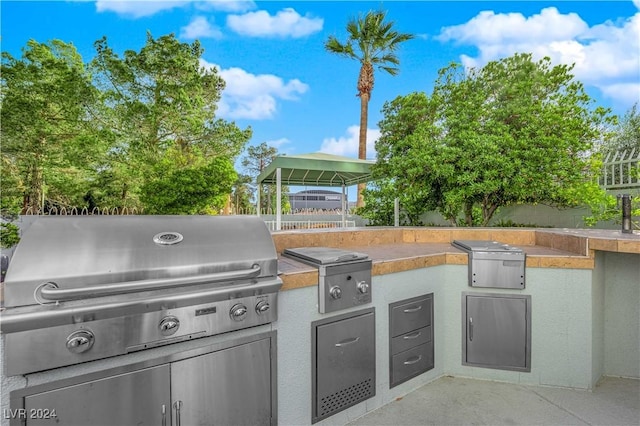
x=317, y=169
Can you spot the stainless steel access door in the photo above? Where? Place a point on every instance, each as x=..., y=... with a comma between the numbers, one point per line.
x=228, y=387
x=137, y=398
x=343, y=362
x=497, y=331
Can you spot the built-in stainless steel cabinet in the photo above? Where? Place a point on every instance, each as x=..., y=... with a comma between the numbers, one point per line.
x=138, y=398
x=227, y=383
x=227, y=387
x=411, y=338
x=496, y=331
x=343, y=362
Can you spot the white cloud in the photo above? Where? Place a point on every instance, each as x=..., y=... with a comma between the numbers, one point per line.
x=286, y=23
x=278, y=143
x=142, y=8
x=606, y=56
x=226, y=5
x=489, y=28
x=200, y=27
x=137, y=8
x=254, y=96
x=625, y=93
x=347, y=145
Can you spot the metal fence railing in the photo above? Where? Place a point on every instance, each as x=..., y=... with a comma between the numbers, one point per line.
x=621, y=170
x=82, y=211
x=308, y=224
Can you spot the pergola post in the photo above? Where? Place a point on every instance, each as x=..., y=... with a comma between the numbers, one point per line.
x=344, y=207
x=278, y=199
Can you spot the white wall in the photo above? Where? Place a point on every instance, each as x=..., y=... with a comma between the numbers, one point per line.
x=621, y=314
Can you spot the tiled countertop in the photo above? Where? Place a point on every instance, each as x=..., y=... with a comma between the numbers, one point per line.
x=400, y=249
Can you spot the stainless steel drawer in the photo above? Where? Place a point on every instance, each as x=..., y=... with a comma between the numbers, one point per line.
x=414, y=314
x=411, y=363
x=343, y=362
x=410, y=339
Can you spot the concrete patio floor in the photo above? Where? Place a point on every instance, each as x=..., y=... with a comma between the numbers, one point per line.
x=459, y=401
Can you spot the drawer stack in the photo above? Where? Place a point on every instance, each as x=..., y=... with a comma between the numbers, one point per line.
x=410, y=338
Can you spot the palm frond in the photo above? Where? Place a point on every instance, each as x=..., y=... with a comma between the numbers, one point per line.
x=371, y=39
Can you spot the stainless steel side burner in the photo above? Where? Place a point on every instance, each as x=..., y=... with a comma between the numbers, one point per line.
x=344, y=277
x=494, y=264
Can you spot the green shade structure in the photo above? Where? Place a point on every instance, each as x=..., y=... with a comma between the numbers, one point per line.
x=315, y=169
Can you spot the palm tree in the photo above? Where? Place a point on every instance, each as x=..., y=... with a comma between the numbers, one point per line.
x=373, y=42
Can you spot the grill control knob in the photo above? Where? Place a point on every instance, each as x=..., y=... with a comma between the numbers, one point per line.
x=262, y=307
x=80, y=341
x=363, y=287
x=238, y=312
x=169, y=325
x=335, y=292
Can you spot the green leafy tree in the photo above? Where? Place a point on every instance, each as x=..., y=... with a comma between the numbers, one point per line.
x=195, y=186
x=50, y=146
x=514, y=131
x=623, y=140
x=241, y=194
x=626, y=134
x=160, y=104
x=373, y=42
x=254, y=162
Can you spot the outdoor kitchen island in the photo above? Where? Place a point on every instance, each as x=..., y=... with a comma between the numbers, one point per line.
x=584, y=289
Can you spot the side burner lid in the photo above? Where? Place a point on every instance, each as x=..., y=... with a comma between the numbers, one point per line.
x=482, y=245
x=323, y=255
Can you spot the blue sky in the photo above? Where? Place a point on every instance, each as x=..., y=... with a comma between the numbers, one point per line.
x=301, y=99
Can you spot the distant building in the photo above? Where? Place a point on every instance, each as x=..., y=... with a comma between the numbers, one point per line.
x=315, y=199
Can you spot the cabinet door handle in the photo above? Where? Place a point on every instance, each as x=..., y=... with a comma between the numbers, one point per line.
x=412, y=336
x=164, y=415
x=177, y=405
x=414, y=309
x=470, y=329
x=347, y=342
x=413, y=360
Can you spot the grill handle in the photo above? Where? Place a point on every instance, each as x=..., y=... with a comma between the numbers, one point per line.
x=50, y=291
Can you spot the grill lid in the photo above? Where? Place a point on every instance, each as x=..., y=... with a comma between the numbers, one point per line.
x=323, y=255
x=105, y=255
x=480, y=245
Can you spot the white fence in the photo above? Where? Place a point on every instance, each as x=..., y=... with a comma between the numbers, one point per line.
x=621, y=170
x=308, y=224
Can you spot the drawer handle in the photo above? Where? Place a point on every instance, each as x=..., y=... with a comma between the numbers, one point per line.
x=415, y=309
x=413, y=360
x=412, y=336
x=347, y=342
x=470, y=329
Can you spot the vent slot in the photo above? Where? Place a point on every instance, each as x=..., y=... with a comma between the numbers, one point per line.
x=345, y=398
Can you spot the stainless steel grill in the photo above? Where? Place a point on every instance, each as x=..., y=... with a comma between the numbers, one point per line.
x=80, y=288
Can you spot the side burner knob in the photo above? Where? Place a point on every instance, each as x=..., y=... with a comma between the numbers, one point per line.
x=335, y=292
x=363, y=287
x=80, y=341
x=238, y=312
x=262, y=307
